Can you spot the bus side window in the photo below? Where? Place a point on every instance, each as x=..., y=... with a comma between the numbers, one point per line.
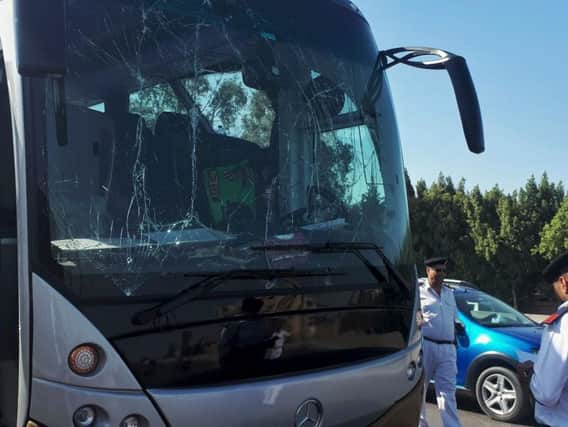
x=7, y=176
x=8, y=263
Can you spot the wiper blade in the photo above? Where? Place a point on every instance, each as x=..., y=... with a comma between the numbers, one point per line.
x=355, y=248
x=513, y=325
x=209, y=283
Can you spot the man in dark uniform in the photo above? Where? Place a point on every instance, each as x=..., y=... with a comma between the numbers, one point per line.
x=549, y=382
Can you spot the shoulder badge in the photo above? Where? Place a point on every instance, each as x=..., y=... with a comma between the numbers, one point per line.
x=554, y=317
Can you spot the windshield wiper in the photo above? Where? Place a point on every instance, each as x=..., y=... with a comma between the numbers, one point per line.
x=356, y=249
x=209, y=283
x=513, y=325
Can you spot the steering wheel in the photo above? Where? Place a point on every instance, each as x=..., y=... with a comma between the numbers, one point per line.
x=492, y=318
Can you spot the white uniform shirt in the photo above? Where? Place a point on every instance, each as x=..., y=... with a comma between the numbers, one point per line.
x=549, y=383
x=439, y=312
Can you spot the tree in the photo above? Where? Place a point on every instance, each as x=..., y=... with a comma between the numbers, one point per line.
x=151, y=101
x=439, y=224
x=482, y=219
x=259, y=120
x=421, y=188
x=225, y=104
x=223, y=99
x=335, y=162
x=510, y=245
x=538, y=204
x=410, y=194
x=499, y=241
x=554, y=236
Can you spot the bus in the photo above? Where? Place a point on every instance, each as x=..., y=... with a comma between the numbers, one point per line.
x=204, y=215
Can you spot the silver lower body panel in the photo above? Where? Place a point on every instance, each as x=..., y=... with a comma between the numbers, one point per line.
x=54, y=404
x=353, y=396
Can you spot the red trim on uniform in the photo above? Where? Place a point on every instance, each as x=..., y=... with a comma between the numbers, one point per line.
x=553, y=318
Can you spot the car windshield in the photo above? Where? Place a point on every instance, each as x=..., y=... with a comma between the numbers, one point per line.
x=186, y=132
x=489, y=311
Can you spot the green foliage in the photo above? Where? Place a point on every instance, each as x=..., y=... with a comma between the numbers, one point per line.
x=258, y=123
x=148, y=101
x=499, y=241
x=439, y=223
x=554, y=236
x=222, y=99
x=225, y=104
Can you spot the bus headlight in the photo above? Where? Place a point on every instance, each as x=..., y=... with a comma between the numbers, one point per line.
x=84, y=416
x=84, y=359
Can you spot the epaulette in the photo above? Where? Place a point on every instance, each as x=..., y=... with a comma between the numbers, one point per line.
x=553, y=318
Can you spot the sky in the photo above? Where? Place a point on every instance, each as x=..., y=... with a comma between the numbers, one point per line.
x=516, y=52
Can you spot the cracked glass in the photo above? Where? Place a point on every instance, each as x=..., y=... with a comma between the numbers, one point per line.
x=186, y=132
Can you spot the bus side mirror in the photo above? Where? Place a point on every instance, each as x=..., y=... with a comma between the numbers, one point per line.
x=40, y=37
x=468, y=103
x=460, y=77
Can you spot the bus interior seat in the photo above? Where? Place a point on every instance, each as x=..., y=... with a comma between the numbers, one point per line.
x=238, y=159
x=171, y=173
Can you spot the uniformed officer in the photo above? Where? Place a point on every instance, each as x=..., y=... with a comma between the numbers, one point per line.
x=439, y=349
x=549, y=382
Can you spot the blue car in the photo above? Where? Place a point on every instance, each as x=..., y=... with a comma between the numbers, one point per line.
x=487, y=352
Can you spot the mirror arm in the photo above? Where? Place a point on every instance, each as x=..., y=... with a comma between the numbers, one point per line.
x=455, y=65
x=388, y=58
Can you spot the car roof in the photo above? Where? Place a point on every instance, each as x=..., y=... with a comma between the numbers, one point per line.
x=456, y=285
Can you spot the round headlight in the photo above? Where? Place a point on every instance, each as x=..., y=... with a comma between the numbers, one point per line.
x=84, y=359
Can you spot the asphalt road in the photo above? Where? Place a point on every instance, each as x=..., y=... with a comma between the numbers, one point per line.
x=469, y=413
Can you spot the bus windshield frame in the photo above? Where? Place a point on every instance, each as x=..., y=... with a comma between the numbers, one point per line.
x=134, y=71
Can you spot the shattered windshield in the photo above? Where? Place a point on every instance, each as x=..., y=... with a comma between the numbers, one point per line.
x=191, y=130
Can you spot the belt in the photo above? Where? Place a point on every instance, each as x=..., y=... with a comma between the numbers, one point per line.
x=440, y=341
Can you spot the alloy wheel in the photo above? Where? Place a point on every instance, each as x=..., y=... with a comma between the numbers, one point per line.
x=499, y=394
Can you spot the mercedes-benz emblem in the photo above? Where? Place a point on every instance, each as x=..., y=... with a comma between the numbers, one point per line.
x=309, y=414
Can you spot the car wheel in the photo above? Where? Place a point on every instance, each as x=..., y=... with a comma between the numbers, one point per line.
x=501, y=395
